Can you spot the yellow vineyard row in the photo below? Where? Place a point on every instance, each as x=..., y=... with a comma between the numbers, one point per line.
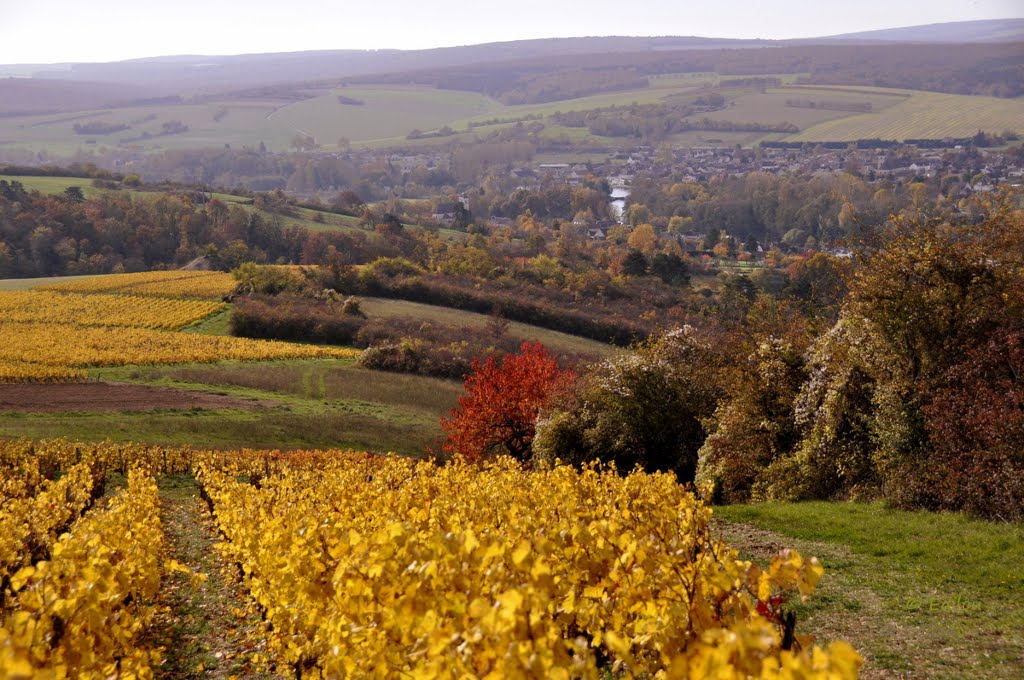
x=31, y=520
x=80, y=613
x=174, y=283
x=389, y=567
x=27, y=372
x=22, y=458
x=63, y=346
x=102, y=310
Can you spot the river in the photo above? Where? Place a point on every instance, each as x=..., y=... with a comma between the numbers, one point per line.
x=618, y=203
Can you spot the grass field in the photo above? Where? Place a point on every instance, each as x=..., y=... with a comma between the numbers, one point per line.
x=922, y=115
x=770, y=106
x=389, y=113
x=28, y=284
x=920, y=594
x=553, y=340
x=303, y=404
x=54, y=185
x=307, y=218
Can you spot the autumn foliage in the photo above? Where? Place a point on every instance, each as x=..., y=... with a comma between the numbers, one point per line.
x=499, y=411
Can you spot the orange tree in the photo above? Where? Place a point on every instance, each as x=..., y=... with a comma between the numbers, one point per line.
x=498, y=413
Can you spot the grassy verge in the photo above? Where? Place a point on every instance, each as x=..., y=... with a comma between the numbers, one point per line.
x=921, y=595
x=218, y=323
x=554, y=340
x=208, y=628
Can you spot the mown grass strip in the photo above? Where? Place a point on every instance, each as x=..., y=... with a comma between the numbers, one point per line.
x=922, y=595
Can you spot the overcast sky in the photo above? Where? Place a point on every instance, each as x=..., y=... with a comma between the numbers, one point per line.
x=108, y=30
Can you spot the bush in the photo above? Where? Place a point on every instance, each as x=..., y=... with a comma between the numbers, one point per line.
x=296, y=319
x=645, y=408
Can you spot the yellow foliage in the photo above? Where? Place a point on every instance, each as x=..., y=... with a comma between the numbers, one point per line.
x=103, y=310
x=62, y=346
x=369, y=566
x=35, y=511
x=372, y=567
x=173, y=283
x=79, y=614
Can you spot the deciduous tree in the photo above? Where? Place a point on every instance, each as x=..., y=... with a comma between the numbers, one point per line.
x=499, y=411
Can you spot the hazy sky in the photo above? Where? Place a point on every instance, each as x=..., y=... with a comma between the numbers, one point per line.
x=108, y=30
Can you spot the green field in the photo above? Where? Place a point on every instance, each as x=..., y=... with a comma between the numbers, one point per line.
x=390, y=112
x=919, y=594
x=553, y=340
x=26, y=284
x=928, y=115
x=54, y=185
x=307, y=218
x=302, y=404
x=771, y=107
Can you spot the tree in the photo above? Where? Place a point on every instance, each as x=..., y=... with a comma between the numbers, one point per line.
x=670, y=268
x=499, y=411
x=646, y=407
x=643, y=238
x=755, y=426
x=635, y=264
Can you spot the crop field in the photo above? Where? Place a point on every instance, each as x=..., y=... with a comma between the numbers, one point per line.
x=365, y=566
x=770, y=107
x=279, y=404
x=923, y=115
x=173, y=283
x=47, y=336
x=387, y=114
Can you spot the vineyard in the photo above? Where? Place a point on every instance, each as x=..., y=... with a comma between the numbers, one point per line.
x=128, y=311
x=171, y=283
x=365, y=566
x=55, y=333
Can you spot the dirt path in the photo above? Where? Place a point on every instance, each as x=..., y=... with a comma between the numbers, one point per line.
x=206, y=629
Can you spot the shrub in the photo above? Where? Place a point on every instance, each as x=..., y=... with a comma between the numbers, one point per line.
x=645, y=408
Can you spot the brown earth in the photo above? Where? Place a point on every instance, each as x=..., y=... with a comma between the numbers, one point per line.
x=106, y=396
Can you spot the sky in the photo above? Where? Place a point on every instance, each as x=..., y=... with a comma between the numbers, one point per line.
x=109, y=30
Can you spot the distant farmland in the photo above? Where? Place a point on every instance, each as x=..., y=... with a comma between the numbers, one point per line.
x=384, y=115
x=923, y=115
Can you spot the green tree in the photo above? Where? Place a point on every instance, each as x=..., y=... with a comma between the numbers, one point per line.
x=635, y=264
x=646, y=408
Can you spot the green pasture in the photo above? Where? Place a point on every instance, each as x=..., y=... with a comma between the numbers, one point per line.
x=919, y=594
x=553, y=340
x=27, y=284
x=770, y=106
x=307, y=218
x=929, y=115
x=390, y=112
x=54, y=185
x=296, y=404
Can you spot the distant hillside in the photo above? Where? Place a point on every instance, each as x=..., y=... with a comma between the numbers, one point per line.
x=21, y=96
x=537, y=71
x=988, y=69
x=188, y=75
x=993, y=30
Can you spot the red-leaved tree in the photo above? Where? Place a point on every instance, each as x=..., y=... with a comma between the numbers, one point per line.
x=498, y=414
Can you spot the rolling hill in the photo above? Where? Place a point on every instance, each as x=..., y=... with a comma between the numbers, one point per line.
x=992, y=30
